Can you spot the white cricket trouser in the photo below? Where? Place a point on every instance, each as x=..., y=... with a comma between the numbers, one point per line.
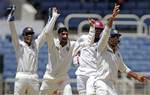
x=90, y=88
x=104, y=87
x=26, y=82
x=49, y=86
x=100, y=87
x=81, y=84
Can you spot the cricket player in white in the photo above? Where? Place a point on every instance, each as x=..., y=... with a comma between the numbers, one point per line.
x=27, y=56
x=86, y=59
x=61, y=51
x=109, y=61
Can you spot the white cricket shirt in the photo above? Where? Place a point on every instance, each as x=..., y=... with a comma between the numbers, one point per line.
x=88, y=56
x=27, y=56
x=108, y=63
x=60, y=57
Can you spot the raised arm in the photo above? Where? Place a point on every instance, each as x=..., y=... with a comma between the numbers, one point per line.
x=91, y=34
x=49, y=35
x=106, y=32
x=47, y=31
x=10, y=20
x=85, y=40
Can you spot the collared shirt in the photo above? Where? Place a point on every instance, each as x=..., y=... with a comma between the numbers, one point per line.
x=27, y=56
x=60, y=58
x=87, y=61
x=108, y=65
x=88, y=56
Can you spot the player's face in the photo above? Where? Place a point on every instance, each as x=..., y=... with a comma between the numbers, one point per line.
x=98, y=31
x=114, y=40
x=28, y=38
x=63, y=36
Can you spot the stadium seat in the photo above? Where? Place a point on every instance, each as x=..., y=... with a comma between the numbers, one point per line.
x=87, y=6
x=41, y=73
x=74, y=6
x=135, y=51
x=129, y=5
x=72, y=73
x=74, y=85
x=101, y=6
x=143, y=5
x=9, y=75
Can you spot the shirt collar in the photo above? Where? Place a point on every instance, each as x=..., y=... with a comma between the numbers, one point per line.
x=109, y=49
x=57, y=43
x=25, y=44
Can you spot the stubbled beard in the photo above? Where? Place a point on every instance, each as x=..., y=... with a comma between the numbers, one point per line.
x=29, y=43
x=63, y=43
x=113, y=45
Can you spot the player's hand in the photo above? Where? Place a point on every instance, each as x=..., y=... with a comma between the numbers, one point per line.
x=56, y=92
x=11, y=11
x=55, y=12
x=114, y=15
x=142, y=79
x=91, y=22
x=116, y=11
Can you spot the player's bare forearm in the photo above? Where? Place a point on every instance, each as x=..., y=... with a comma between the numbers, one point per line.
x=91, y=22
x=140, y=78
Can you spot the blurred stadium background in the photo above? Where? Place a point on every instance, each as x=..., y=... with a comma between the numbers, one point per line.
x=133, y=22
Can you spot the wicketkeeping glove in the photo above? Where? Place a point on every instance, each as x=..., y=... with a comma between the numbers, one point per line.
x=11, y=10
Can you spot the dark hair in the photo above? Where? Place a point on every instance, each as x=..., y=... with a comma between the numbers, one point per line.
x=115, y=35
x=62, y=29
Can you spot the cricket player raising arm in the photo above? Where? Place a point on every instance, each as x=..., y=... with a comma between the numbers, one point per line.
x=27, y=56
x=61, y=51
x=109, y=61
x=86, y=58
